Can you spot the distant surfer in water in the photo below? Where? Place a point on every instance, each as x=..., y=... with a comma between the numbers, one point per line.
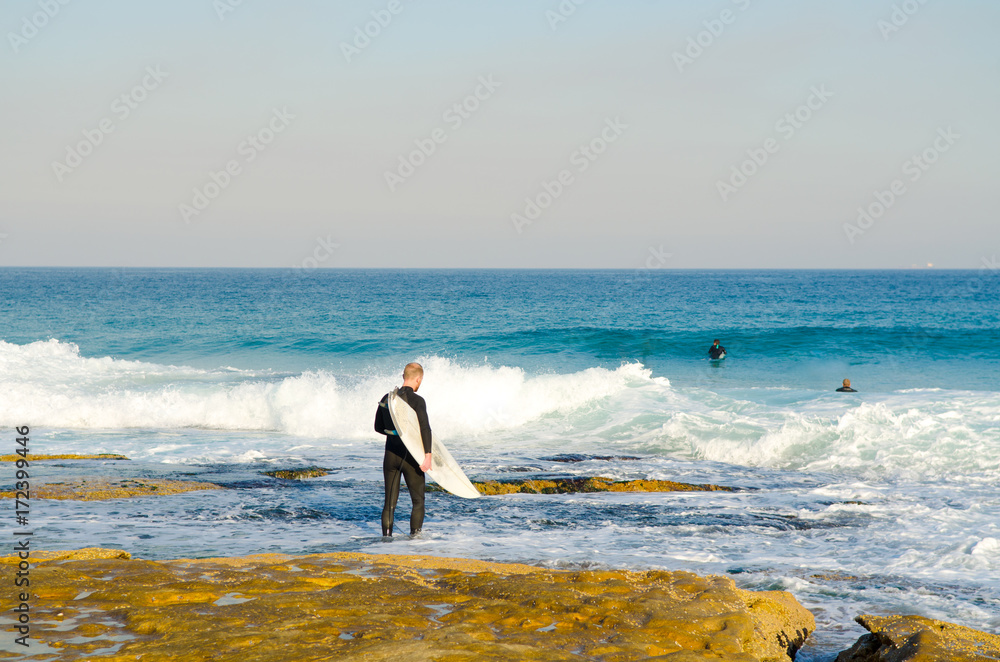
x=397, y=461
x=846, y=388
x=716, y=351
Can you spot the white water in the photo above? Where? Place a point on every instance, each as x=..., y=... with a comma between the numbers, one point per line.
x=930, y=434
x=896, y=492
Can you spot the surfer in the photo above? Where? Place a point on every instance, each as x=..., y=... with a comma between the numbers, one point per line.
x=716, y=351
x=846, y=388
x=397, y=461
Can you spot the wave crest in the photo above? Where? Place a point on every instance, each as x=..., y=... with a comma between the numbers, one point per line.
x=49, y=384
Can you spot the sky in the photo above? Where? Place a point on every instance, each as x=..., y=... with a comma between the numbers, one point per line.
x=724, y=134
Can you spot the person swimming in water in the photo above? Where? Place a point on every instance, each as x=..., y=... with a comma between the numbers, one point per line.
x=846, y=388
x=716, y=351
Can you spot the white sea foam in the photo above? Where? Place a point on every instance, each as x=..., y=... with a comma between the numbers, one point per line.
x=899, y=435
x=902, y=493
x=51, y=385
x=986, y=548
x=915, y=434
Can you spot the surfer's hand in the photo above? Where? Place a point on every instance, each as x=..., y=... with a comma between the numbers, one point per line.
x=426, y=465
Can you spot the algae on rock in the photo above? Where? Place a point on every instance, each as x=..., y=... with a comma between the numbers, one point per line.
x=32, y=457
x=380, y=607
x=598, y=484
x=100, y=489
x=298, y=474
x=919, y=639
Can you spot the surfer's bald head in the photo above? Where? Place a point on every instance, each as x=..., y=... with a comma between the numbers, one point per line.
x=413, y=371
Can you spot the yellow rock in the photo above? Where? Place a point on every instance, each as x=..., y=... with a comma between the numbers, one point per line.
x=381, y=607
x=85, y=554
x=32, y=457
x=598, y=484
x=656, y=651
x=298, y=474
x=100, y=489
x=919, y=639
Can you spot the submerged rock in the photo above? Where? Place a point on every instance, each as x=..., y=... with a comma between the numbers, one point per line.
x=380, y=607
x=579, y=457
x=919, y=639
x=33, y=457
x=100, y=489
x=571, y=485
x=85, y=554
x=298, y=474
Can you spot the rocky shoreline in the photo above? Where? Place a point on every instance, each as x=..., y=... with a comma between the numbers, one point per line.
x=919, y=639
x=101, y=604
x=98, y=603
x=103, y=489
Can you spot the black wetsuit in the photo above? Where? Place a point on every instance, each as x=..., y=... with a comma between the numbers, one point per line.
x=399, y=463
x=846, y=389
x=716, y=351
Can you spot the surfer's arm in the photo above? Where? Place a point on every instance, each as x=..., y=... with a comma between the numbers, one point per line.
x=425, y=436
x=383, y=422
x=420, y=407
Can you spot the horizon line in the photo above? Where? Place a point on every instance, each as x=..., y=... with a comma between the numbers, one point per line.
x=640, y=269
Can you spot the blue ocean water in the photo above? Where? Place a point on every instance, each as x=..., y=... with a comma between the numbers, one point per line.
x=882, y=501
x=900, y=329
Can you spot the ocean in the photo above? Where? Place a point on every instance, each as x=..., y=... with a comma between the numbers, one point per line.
x=881, y=501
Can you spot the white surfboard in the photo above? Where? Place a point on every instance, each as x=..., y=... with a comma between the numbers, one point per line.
x=444, y=470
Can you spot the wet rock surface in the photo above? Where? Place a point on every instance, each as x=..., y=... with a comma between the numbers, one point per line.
x=346, y=606
x=37, y=457
x=298, y=474
x=100, y=489
x=598, y=484
x=919, y=639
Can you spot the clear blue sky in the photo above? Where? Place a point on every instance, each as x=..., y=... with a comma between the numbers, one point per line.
x=673, y=130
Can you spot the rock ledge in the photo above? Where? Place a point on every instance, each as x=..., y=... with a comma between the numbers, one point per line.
x=919, y=639
x=346, y=606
